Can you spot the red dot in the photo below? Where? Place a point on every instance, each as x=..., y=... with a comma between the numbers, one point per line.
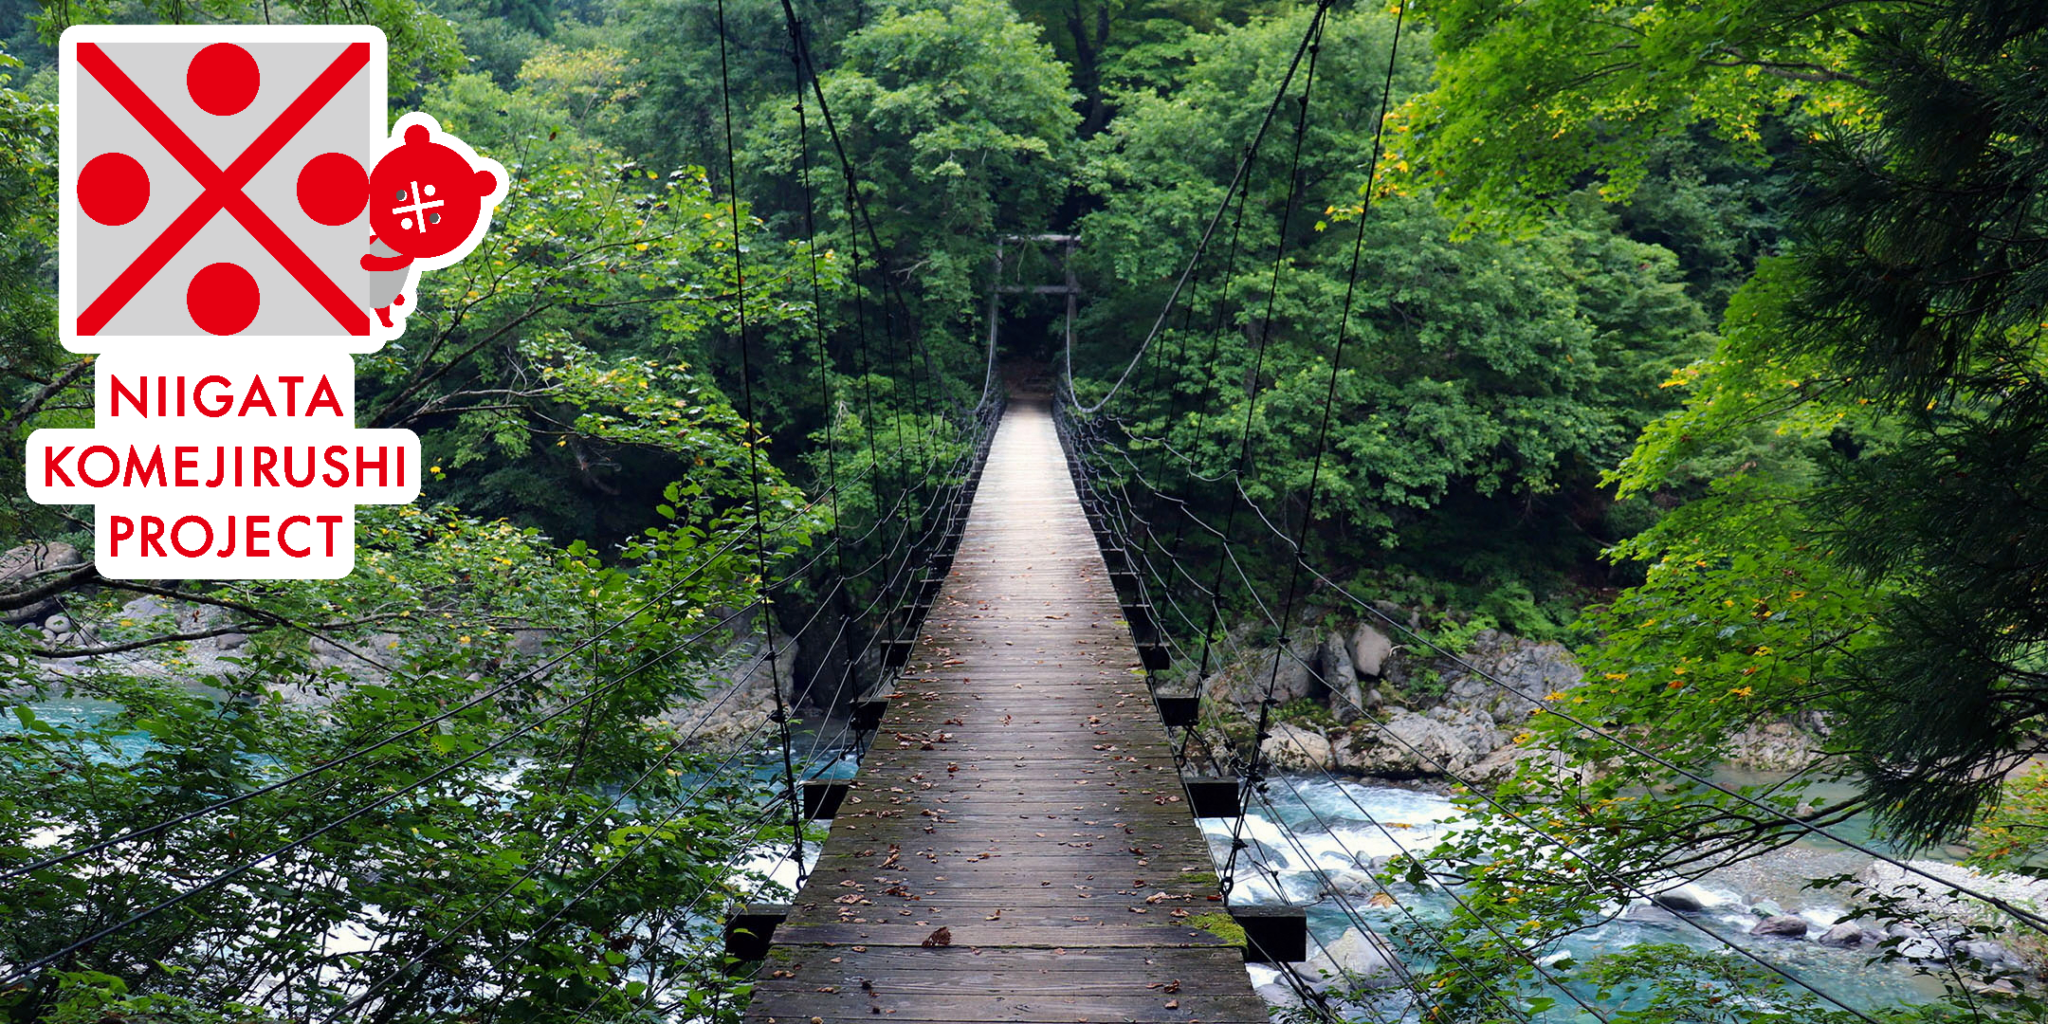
x=222, y=79
x=333, y=189
x=113, y=188
x=222, y=299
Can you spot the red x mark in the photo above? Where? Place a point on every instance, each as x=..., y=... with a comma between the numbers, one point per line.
x=223, y=189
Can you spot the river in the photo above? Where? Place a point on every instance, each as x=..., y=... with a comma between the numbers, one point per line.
x=1336, y=826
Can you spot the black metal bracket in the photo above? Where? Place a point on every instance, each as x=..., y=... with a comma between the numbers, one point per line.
x=750, y=927
x=1273, y=935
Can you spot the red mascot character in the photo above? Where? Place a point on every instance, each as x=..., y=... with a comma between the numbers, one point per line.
x=430, y=202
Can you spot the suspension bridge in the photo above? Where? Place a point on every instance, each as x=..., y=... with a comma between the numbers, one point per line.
x=1021, y=802
x=1021, y=841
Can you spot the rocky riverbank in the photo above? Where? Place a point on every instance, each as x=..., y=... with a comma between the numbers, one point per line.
x=1353, y=702
x=1354, y=705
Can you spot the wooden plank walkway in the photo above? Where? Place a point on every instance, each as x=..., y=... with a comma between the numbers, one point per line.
x=1020, y=800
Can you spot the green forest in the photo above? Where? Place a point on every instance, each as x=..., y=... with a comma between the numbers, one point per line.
x=1684, y=365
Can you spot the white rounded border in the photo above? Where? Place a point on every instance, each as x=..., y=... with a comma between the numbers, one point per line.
x=68, y=167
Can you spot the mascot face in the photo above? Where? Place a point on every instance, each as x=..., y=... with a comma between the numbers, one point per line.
x=425, y=199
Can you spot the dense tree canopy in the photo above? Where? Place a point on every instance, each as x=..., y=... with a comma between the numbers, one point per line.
x=1851, y=475
x=1488, y=379
x=1704, y=336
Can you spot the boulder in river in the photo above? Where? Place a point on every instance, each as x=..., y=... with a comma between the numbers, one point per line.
x=1927, y=898
x=1986, y=955
x=1294, y=748
x=2002, y=987
x=1276, y=993
x=1847, y=935
x=1356, y=958
x=1784, y=926
x=1678, y=900
x=1773, y=746
x=1347, y=882
x=1409, y=746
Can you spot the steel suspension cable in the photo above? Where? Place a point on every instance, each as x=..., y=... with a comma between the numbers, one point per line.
x=1587, y=860
x=739, y=273
x=1251, y=778
x=1330, y=394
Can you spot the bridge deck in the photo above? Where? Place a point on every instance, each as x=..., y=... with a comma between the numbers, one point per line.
x=1021, y=796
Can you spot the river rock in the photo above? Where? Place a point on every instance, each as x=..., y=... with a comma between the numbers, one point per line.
x=1294, y=748
x=1928, y=899
x=1276, y=993
x=1510, y=758
x=740, y=697
x=1767, y=909
x=18, y=565
x=529, y=643
x=1786, y=926
x=1333, y=660
x=1409, y=746
x=144, y=608
x=2005, y=987
x=1991, y=957
x=1370, y=649
x=328, y=654
x=1678, y=900
x=1346, y=882
x=1517, y=674
x=1356, y=958
x=1245, y=681
x=1847, y=935
x=1474, y=728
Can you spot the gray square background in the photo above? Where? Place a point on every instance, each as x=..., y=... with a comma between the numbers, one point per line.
x=341, y=126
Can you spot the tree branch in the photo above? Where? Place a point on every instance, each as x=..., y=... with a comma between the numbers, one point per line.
x=77, y=576
x=136, y=645
x=48, y=391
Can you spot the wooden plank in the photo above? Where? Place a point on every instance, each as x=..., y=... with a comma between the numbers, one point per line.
x=850, y=1001
x=1020, y=793
x=915, y=960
